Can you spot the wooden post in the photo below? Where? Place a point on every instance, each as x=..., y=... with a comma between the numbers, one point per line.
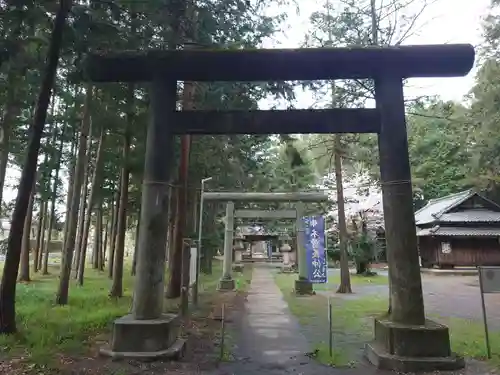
x=402, y=252
x=149, y=283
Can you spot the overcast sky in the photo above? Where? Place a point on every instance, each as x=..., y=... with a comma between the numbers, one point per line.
x=444, y=21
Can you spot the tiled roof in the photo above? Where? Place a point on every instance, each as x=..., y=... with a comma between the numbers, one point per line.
x=459, y=232
x=473, y=215
x=436, y=207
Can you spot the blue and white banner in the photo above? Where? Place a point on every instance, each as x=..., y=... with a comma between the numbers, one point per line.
x=314, y=234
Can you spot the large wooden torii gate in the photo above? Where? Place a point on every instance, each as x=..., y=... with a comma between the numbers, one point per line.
x=302, y=285
x=404, y=340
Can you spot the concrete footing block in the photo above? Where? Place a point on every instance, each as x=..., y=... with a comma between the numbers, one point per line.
x=226, y=285
x=238, y=267
x=304, y=288
x=287, y=268
x=410, y=348
x=145, y=340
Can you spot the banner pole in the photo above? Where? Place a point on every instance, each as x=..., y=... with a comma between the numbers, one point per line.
x=485, y=318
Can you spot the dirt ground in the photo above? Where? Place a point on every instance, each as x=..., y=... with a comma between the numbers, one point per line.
x=201, y=355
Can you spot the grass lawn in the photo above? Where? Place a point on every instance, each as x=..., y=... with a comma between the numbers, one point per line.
x=354, y=318
x=334, y=281
x=47, y=330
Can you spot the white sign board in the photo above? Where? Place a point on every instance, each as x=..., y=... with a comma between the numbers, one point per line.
x=490, y=279
x=446, y=247
x=192, y=266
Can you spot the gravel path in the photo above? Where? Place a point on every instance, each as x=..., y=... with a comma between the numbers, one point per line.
x=444, y=296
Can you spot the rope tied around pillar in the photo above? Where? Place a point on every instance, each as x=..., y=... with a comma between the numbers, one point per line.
x=395, y=182
x=150, y=182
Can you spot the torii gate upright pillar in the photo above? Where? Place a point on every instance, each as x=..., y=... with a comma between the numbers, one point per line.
x=405, y=340
x=148, y=333
x=227, y=282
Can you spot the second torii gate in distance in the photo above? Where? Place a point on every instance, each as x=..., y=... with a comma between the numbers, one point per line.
x=302, y=285
x=404, y=340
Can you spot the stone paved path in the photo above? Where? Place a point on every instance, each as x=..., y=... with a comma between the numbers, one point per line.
x=270, y=340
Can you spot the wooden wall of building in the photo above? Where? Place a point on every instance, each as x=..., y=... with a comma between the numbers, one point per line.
x=464, y=252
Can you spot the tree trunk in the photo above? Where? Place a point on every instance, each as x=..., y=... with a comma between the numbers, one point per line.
x=10, y=114
x=172, y=206
x=100, y=259
x=24, y=272
x=71, y=184
x=375, y=40
x=345, y=279
x=69, y=243
x=53, y=203
x=4, y=158
x=42, y=237
x=117, y=284
x=361, y=268
x=136, y=243
x=175, y=252
x=84, y=212
x=92, y=198
x=44, y=186
x=182, y=253
x=38, y=240
x=113, y=230
x=209, y=227
x=95, y=250
x=11, y=265
x=105, y=241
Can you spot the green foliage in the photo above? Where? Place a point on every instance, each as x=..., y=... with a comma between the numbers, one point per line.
x=46, y=330
x=438, y=146
x=363, y=248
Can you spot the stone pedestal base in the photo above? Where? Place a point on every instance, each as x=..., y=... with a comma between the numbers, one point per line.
x=303, y=288
x=145, y=339
x=407, y=348
x=226, y=285
x=238, y=267
x=287, y=268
